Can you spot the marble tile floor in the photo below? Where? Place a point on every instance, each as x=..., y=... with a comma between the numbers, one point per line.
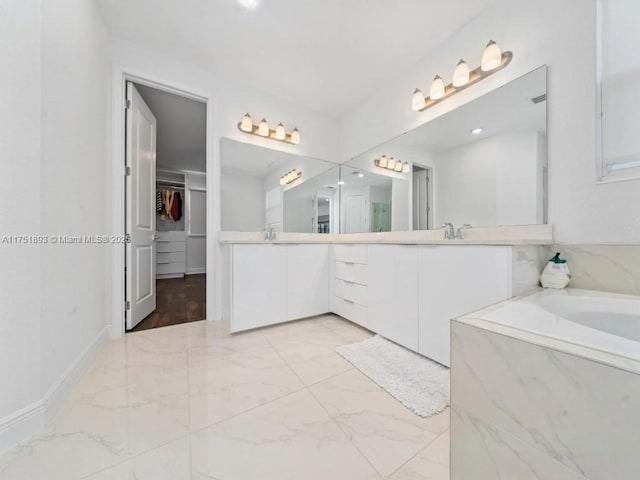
x=191, y=402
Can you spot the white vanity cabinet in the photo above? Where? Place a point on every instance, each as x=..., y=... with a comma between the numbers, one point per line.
x=455, y=280
x=259, y=286
x=393, y=293
x=307, y=280
x=275, y=283
x=350, y=279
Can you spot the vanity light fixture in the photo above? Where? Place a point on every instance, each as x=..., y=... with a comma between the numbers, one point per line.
x=492, y=61
x=290, y=177
x=262, y=129
x=390, y=163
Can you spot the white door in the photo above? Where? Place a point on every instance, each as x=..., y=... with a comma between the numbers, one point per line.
x=140, y=208
x=355, y=212
x=421, y=200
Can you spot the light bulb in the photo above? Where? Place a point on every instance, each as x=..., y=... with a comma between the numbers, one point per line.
x=417, y=101
x=492, y=57
x=405, y=167
x=263, y=128
x=391, y=163
x=437, y=88
x=283, y=181
x=382, y=161
x=461, y=74
x=280, y=133
x=295, y=136
x=398, y=166
x=246, y=124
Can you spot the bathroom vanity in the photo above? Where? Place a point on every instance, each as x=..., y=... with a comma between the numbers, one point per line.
x=407, y=289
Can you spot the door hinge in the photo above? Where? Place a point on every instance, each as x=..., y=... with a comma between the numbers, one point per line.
x=127, y=305
x=127, y=171
x=127, y=104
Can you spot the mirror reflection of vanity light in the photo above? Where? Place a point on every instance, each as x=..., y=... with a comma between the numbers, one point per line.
x=280, y=133
x=246, y=124
x=437, y=88
x=290, y=177
x=390, y=163
x=491, y=57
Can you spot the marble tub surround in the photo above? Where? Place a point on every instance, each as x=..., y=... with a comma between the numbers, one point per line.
x=506, y=235
x=527, y=264
x=194, y=402
x=529, y=411
x=609, y=268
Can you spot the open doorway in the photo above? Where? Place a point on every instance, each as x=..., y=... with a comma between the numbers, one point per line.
x=422, y=217
x=165, y=208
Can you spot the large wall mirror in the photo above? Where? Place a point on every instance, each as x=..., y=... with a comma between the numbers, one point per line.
x=482, y=164
x=255, y=192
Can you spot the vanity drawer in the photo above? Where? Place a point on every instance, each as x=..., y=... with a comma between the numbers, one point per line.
x=351, y=272
x=169, y=257
x=171, y=246
x=351, y=253
x=351, y=291
x=350, y=310
x=167, y=268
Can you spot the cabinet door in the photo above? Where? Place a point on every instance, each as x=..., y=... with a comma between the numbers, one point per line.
x=307, y=280
x=259, y=295
x=393, y=293
x=453, y=281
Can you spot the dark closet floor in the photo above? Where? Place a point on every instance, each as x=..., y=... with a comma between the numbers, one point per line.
x=178, y=300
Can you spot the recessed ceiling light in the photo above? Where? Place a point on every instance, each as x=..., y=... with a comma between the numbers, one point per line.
x=248, y=4
x=476, y=131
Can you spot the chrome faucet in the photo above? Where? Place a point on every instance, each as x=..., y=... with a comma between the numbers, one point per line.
x=449, y=233
x=269, y=233
x=459, y=231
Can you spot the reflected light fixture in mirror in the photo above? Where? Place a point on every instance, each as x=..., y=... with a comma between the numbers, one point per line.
x=390, y=163
x=262, y=129
x=290, y=177
x=492, y=61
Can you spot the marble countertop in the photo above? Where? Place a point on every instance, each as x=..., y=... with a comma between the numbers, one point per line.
x=508, y=235
x=553, y=331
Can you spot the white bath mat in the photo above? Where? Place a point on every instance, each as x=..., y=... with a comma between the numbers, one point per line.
x=420, y=384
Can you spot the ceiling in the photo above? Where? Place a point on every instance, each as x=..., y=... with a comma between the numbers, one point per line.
x=327, y=55
x=181, y=130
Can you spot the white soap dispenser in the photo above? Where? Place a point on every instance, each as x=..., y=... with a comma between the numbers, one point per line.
x=556, y=274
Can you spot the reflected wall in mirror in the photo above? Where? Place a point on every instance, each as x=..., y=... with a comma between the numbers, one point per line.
x=483, y=164
x=253, y=198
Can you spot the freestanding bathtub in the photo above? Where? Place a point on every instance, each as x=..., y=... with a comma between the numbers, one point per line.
x=547, y=386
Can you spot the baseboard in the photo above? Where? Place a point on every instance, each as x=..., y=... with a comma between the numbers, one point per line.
x=19, y=426
x=196, y=271
x=61, y=389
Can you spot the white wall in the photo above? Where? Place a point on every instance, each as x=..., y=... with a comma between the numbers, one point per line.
x=75, y=123
x=196, y=245
x=20, y=299
x=54, y=120
x=244, y=203
x=561, y=35
x=493, y=181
